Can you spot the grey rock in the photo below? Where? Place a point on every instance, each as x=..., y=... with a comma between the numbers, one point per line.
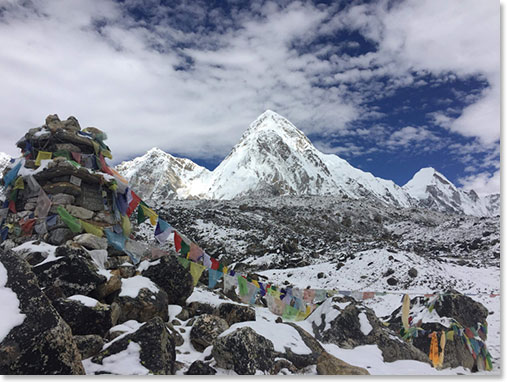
x=234, y=313
x=68, y=146
x=110, y=287
x=43, y=343
x=206, y=330
x=79, y=212
x=60, y=236
x=328, y=364
x=61, y=199
x=89, y=345
x=144, y=306
x=90, y=241
x=412, y=272
x=171, y=277
x=62, y=188
x=157, y=352
x=244, y=351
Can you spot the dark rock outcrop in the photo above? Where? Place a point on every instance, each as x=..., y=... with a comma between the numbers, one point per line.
x=89, y=345
x=244, y=351
x=84, y=319
x=73, y=273
x=43, y=343
x=200, y=368
x=172, y=278
x=206, y=330
x=157, y=351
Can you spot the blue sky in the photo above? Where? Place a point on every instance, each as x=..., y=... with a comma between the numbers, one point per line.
x=390, y=86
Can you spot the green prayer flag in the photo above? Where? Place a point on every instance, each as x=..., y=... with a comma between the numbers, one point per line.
x=289, y=313
x=243, y=286
x=449, y=335
x=184, y=262
x=73, y=223
x=185, y=248
x=140, y=215
x=62, y=153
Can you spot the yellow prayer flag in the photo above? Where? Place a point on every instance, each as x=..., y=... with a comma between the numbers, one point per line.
x=126, y=226
x=225, y=270
x=106, y=153
x=93, y=229
x=442, y=347
x=19, y=184
x=42, y=155
x=148, y=212
x=96, y=147
x=196, y=271
x=405, y=311
x=256, y=283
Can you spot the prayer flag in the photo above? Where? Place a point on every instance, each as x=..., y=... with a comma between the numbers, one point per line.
x=206, y=261
x=405, y=311
x=11, y=175
x=308, y=295
x=289, y=313
x=43, y=204
x=116, y=240
x=243, y=286
x=71, y=222
x=367, y=295
x=103, y=165
x=140, y=215
x=126, y=226
x=162, y=231
x=42, y=155
x=196, y=271
x=213, y=277
x=27, y=226
x=133, y=203
x=195, y=253
x=184, y=262
x=77, y=157
x=230, y=282
x=214, y=264
x=177, y=241
x=12, y=206
x=93, y=229
x=19, y=184
x=148, y=212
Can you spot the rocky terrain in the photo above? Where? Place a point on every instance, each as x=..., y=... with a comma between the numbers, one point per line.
x=86, y=287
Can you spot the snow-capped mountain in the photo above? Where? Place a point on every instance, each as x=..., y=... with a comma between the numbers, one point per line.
x=4, y=161
x=493, y=204
x=275, y=158
x=433, y=190
x=159, y=176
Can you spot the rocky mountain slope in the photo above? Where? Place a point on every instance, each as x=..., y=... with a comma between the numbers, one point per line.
x=274, y=158
x=4, y=160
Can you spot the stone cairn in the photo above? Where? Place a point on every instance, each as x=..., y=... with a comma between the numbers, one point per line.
x=62, y=167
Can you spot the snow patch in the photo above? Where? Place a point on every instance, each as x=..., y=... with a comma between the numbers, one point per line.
x=366, y=327
x=126, y=362
x=132, y=285
x=85, y=300
x=11, y=314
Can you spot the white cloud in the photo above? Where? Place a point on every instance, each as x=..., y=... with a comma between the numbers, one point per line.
x=91, y=60
x=409, y=136
x=483, y=183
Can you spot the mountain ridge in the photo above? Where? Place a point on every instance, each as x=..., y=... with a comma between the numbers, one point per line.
x=274, y=158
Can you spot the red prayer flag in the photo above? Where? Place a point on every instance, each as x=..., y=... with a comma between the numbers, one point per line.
x=367, y=295
x=12, y=206
x=177, y=241
x=214, y=264
x=133, y=204
x=27, y=227
x=105, y=168
x=77, y=157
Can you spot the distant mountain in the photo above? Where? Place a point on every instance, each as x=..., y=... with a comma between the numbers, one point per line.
x=275, y=158
x=493, y=204
x=159, y=176
x=4, y=161
x=433, y=190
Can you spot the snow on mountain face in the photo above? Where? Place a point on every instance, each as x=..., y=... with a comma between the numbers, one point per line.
x=433, y=190
x=4, y=161
x=275, y=158
x=158, y=176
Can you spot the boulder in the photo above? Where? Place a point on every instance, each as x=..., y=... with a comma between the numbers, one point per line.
x=354, y=325
x=73, y=273
x=330, y=365
x=200, y=368
x=87, y=316
x=42, y=343
x=244, y=351
x=206, y=330
x=196, y=308
x=157, y=352
x=141, y=301
x=60, y=236
x=90, y=241
x=234, y=313
x=109, y=288
x=461, y=308
x=172, y=278
x=89, y=345
x=79, y=212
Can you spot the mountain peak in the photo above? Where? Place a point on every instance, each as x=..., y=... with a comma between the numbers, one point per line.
x=426, y=176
